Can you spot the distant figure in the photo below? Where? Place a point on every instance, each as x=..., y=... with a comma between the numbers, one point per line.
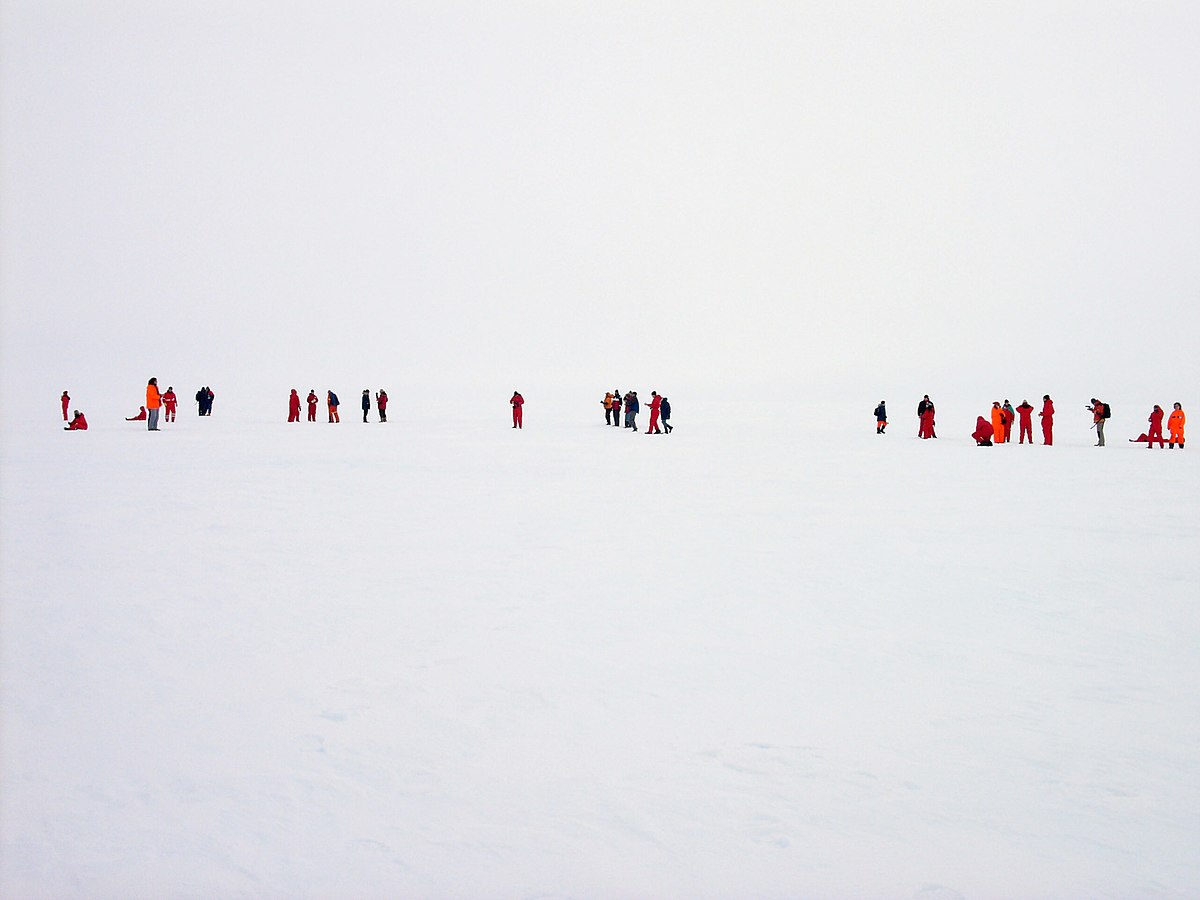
x=313, y=399
x=983, y=432
x=632, y=408
x=927, y=422
x=78, y=423
x=880, y=417
x=140, y=417
x=294, y=406
x=1155, y=432
x=665, y=413
x=66, y=400
x=517, y=402
x=655, y=407
x=921, y=407
x=153, y=404
x=616, y=407
x=998, y=421
x=1010, y=416
x=366, y=403
x=607, y=403
x=204, y=400
x=1175, y=423
x=381, y=399
x=1025, y=411
x=1047, y=417
x=332, y=403
x=1100, y=414
x=170, y=402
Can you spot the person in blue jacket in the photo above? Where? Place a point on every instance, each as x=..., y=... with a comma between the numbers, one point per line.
x=880, y=417
x=331, y=401
x=632, y=408
x=366, y=404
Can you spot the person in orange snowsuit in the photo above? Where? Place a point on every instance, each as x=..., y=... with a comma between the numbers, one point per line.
x=1047, y=417
x=153, y=404
x=79, y=423
x=998, y=421
x=1155, y=432
x=1175, y=423
x=1025, y=411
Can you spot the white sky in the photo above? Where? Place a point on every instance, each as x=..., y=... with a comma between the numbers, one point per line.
x=518, y=194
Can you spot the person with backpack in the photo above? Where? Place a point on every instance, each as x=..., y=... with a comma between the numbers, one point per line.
x=1025, y=411
x=1175, y=423
x=1101, y=412
x=880, y=417
x=1047, y=417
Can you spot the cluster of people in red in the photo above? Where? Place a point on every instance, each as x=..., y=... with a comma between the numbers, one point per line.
x=1175, y=423
x=999, y=430
x=332, y=403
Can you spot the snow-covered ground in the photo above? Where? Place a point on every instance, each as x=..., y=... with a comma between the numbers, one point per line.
x=765, y=656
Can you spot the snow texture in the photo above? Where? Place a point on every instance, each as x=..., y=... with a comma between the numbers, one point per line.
x=768, y=655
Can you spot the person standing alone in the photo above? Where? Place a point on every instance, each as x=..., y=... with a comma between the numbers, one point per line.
x=153, y=404
x=381, y=404
x=1175, y=423
x=1047, y=417
x=517, y=403
x=881, y=417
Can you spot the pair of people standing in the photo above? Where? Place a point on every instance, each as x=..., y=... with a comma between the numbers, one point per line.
x=204, y=401
x=381, y=400
x=925, y=414
x=155, y=402
x=1175, y=424
x=1002, y=419
x=660, y=411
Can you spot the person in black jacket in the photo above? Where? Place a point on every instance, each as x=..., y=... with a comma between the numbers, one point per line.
x=664, y=415
x=366, y=403
x=881, y=417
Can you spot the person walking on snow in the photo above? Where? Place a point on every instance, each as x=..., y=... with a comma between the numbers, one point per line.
x=294, y=406
x=1100, y=413
x=517, y=402
x=313, y=400
x=664, y=413
x=655, y=406
x=78, y=423
x=1025, y=411
x=153, y=404
x=1155, y=432
x=880, y=417
x=381, y=404
x=66, y=401
x=1175, y=423
x=170, y=403
x=1010, y=416
x=332, y=403
x=366, y=403
x=1047, y=417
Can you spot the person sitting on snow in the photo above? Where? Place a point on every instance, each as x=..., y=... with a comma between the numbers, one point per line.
x=78, y=423
x=140, y=417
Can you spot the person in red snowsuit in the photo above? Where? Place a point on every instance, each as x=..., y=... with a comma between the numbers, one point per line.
x=66, y=400
x=140, y=417
x=1047, y=417
x=313, y=399
x=294, y=407
x=79, y=423
x=170, y=402
x=1025, y=411
x=381, y=404
x=1155, y=433
x=926, y=431
x=655, y=406
x=517, y=402
x=983, y=432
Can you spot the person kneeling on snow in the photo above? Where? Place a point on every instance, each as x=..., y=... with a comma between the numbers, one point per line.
x=140, y=417
x=78, y=423
x=983, y=432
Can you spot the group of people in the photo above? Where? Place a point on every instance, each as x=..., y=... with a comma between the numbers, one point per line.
x=332, y=403
x=659, y=406
x=999, y=430
x=1175, y=423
